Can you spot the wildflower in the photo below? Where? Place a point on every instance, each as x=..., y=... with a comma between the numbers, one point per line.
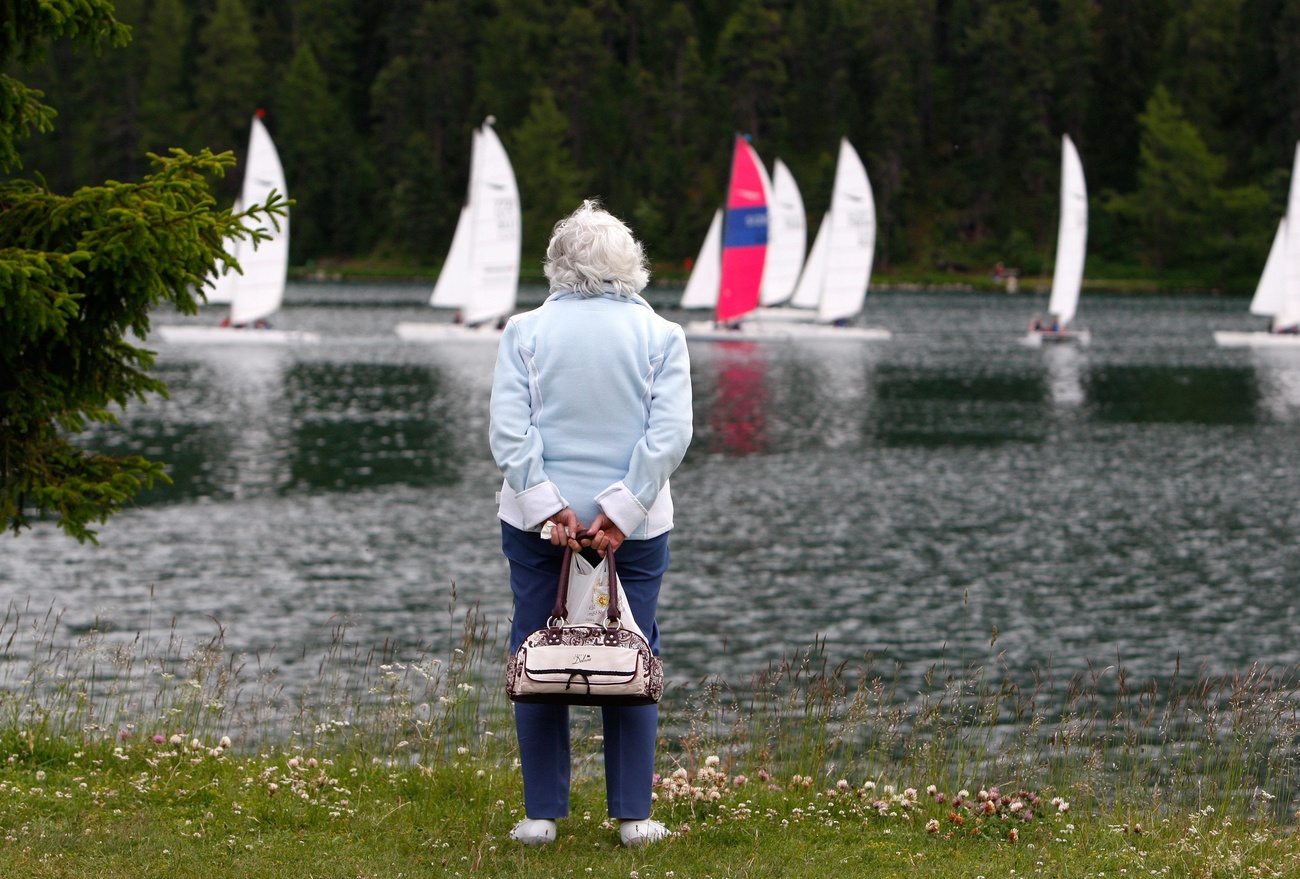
x=910, y=794
x=932, y=826
x=712, y=761
x=764, y=775
x=176, y=738
x=272, y=787
x=462, y=751
x=1060, y=804
x=870, y=785
x=739, y=781
x=932, y=790
x=1016, y=806
x=842, y=785
x=195, y=744
x=159, y=740
x=1013, y=836
x=40, y=775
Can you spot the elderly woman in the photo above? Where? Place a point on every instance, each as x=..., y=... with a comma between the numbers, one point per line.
x=591, y=413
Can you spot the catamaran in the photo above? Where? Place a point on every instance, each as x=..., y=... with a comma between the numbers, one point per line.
x=1071, y=248
x=480, y=278
x=256, y=294
x=1278, y=294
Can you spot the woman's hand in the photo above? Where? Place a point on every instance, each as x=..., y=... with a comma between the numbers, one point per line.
x=565, y=528
x=603, y=535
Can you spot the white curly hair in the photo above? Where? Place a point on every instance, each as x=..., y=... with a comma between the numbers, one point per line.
x=592, y=251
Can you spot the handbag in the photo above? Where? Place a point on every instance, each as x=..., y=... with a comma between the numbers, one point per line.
x=585, y=663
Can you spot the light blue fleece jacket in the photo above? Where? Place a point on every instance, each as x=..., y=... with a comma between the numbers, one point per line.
x=591, y=409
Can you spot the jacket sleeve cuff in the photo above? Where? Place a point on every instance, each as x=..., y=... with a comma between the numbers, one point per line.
x=621, y=506
x=539, y=503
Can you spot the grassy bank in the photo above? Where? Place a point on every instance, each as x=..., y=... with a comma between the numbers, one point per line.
x=126, y=756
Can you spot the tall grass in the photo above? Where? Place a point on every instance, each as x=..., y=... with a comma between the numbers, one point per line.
x=1192, y=742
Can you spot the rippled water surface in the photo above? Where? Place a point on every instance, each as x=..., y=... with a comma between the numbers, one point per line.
x=1133, y=501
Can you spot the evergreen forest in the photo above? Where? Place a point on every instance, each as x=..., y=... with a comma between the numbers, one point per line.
x=1186, y=114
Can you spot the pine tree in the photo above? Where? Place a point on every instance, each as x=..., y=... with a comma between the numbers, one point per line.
x=550, y=184
x=230, y=78
x=78, y=277
x=163, y=40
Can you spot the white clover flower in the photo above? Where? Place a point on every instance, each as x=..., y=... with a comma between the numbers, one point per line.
x=932, y=790
x=964, y=794
x=909, y=794
x=870, y=785
x=842, y=784
x=176, y=739
x=224, y=744
x=932, y=826
x=712, y=760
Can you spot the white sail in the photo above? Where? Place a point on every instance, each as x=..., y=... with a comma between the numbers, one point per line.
x=787, y=237
x=1071, y=238
x=808, y=292
x=1270, y=294
x=259, y=291
x=706, y=275
x=495, y=239
x=453, y=285
x=221, y=283
x=451, y=290
x=852, y=243
x=1288, y=312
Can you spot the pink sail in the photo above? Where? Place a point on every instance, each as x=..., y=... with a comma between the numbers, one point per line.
x=744, y=241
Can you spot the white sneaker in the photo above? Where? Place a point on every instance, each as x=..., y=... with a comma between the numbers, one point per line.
x=534, y=831
x=644, y=832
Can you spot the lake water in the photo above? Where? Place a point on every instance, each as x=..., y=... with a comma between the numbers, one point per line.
x=1134, y=501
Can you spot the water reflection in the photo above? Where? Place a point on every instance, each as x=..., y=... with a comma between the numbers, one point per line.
x=1066, y=367
x=360, y=425
x=738, y=408
x=939, y=407
x=1278, y=375
x=1174, y=394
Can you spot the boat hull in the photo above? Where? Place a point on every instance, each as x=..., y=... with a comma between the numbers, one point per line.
x=1233, y=339
x=1039, y=338
x=782, y=315
x=780, y=331
x=199, y=335
x=436, y=332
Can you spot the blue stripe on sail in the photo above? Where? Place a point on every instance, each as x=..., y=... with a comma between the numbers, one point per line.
x=746, y=227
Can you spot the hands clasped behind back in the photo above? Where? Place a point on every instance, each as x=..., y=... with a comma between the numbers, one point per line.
x=602, y=535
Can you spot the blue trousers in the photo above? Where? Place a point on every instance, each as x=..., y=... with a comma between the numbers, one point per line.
x=543, y=730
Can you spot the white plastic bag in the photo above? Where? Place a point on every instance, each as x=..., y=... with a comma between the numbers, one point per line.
x=588, y=598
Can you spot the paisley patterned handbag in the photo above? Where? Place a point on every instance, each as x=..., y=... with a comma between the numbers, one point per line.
x=585, y=664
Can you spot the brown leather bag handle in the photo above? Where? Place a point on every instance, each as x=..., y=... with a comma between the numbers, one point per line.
x=561, y=611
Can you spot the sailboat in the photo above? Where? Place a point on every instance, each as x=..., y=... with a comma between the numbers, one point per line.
x=480, y=277
x=1278, y=293
x=787, y=241
x=255, y=294
x=741, y=248
x=834, y=279
x=1071, y=248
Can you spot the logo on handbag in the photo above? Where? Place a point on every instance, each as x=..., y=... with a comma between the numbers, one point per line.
x=581, y=657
